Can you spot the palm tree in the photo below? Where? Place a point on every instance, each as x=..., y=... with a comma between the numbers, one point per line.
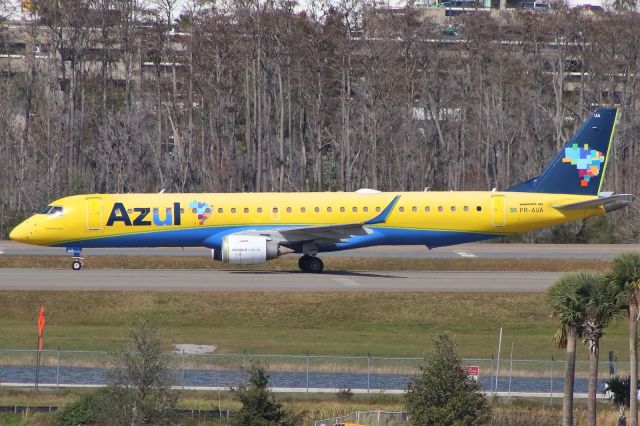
x=625, y=276
x=601, y=309
x=568, y=297
x=618, y=391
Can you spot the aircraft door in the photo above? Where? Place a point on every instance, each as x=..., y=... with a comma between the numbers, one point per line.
x=498, y=212
x=94, y=213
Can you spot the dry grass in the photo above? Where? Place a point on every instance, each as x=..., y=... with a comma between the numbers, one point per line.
x=515, y=412
x=331, y=263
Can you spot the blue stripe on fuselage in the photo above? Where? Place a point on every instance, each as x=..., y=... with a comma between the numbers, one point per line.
x=211, y=237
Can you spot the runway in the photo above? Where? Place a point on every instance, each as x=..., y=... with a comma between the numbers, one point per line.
x=294, y=281
x=482, y=250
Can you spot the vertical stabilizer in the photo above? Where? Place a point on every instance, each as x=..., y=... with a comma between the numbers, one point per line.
x=579, y=168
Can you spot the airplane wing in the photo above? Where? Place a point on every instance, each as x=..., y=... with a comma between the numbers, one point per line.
x=609, y=201
x=324, y=234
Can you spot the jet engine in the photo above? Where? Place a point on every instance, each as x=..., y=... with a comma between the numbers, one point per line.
x=248, y=249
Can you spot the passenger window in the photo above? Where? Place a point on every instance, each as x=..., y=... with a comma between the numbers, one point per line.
x=207, y=211
x=219, y=210
x=233, y=210
x=378, y=209
x=453, y=208
x=365, y=209
x=466, y=208
x=275, y=210
x=329, y=209
x=182, y=211
x=168, y=210
x=317, y=209
x=427, y=209
x=155, y=210
x=414, y=209
x=354, y=209
x=440, y=209
x=259, y=209
x=401, y=209
x=478, y=208
x=246, y=210
x=288, y=209
x=130, y=211
x=303, y=209
x=341, y=209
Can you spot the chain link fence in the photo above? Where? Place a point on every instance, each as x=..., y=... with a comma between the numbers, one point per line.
x=370, y=418
x=299, y=373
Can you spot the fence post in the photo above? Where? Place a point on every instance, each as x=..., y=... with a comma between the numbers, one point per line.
x=58, y=370
x=183, y=371
x=244, y=354
x=307, y=362
x=510, y=370
x=551, y=393
x=491, y=375
x=368, y=372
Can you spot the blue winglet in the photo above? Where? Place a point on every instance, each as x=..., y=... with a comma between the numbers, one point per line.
x=382, y=217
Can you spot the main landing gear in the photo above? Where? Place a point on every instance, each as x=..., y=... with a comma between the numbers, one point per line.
x=77, y=262
x=311, y=264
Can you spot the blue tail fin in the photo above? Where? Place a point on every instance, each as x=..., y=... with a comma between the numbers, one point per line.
x=579, y=168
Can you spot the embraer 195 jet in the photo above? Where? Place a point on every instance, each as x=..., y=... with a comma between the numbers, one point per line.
x=244, y=228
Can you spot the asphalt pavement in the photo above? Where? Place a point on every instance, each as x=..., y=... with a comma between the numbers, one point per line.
x=293, y=281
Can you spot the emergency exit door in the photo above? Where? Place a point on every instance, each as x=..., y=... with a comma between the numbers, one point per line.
x=498, y=212
x=94, y=213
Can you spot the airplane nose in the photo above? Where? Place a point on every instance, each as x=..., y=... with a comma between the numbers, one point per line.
x=19, y=233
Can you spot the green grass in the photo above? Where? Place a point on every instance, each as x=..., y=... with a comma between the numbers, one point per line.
x=331, y=263
x=391, y=324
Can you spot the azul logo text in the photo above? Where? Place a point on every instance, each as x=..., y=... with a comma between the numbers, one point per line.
x=139, y=216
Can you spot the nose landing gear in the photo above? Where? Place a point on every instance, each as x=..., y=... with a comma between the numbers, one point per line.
x=311, y=264
x=77, y=262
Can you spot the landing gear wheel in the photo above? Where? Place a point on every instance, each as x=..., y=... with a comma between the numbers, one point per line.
x=77, y=264
x=315, y=265
x=303, y=261
x=311, y=264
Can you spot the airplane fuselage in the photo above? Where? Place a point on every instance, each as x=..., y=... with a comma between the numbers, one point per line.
x=183, y=220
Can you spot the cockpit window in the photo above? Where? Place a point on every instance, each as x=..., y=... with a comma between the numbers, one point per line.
x=55, y=210
x=52, y=210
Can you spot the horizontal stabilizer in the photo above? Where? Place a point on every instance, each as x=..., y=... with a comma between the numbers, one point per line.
x=610, y=203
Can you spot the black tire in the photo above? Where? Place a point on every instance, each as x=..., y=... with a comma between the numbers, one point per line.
x=303, y=262
x=76, y=265
x=315, y=265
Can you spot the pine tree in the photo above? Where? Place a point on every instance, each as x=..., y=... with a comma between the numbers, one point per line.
x=259, y=406
x=443, y=394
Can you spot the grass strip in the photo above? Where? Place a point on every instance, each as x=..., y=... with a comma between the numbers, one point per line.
x=359, y=323
x=331, y=263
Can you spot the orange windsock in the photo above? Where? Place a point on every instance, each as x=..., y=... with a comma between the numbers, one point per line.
x=40, y=327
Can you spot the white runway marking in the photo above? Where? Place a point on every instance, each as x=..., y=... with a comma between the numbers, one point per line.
x=465, y=254
x=346, y=281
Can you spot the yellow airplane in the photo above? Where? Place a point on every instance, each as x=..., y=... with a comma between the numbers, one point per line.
x=244, y=228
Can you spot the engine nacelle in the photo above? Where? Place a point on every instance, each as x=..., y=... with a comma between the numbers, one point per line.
x=247, y=249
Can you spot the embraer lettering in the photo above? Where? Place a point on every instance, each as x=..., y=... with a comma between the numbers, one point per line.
x=119, y=214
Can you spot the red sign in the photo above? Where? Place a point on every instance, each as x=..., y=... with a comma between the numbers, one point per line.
x=473, y=371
